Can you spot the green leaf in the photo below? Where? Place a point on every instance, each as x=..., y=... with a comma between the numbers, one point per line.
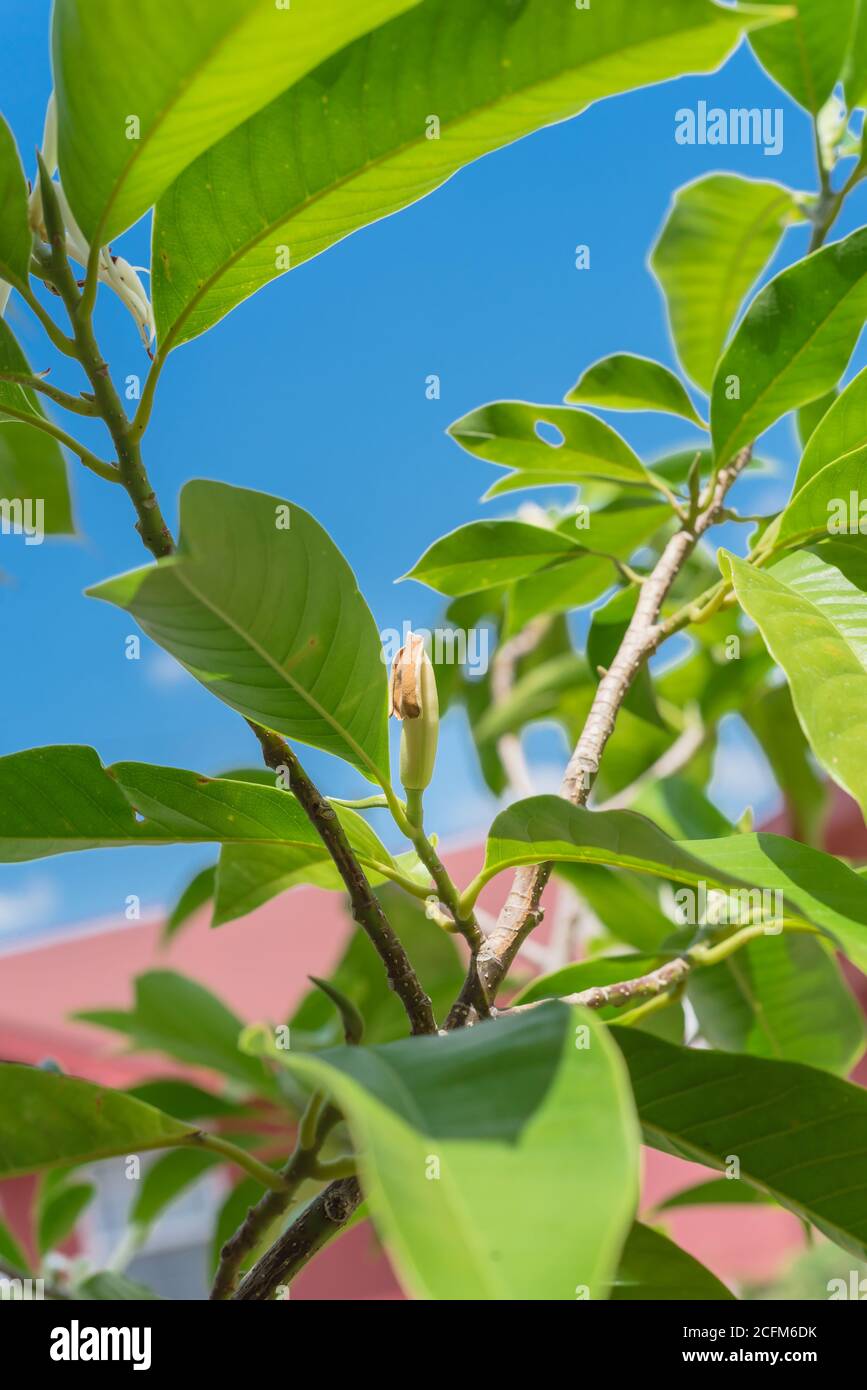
x=720, y=232
x=198, y=892
x=578, y=445
x=167, y=1179
x=653, y=1267
x=32, y=468
x=507, y=1139
x=810, y=416
x=816, y=887
x=772, y=718
x=189, y=74
x=626, y=905
x=543, y=828
x=16, y=237
x=800, y=1134
x=360, y=976
x=11, y=1252
x=810, y=609
x=715, y=1192
x=626, y=382
x=60, y=799
x=58, y=1208
x=269, y=620
x=251, y=874
x=805, y=53
x=47, y=1120
x=182, y=1099
x=780, y=997
x=175, y=1015
x=842, y=430
x=607, y=630
x=560, y=588
x=351, y=143
x=620, y=527
x=15, y=400
x=679, y=808
x=793, y=343
x=484, y=554
x=115, y=1288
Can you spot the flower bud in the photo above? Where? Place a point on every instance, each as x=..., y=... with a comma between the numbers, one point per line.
x=414, y=701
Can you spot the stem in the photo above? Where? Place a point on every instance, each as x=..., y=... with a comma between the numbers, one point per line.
x=317, y=1224
x=77, y=404
x=366, y=907
x=40, y=422
x=316, y=1123
x=260, y=1171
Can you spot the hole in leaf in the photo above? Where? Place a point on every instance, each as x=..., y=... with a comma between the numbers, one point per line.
x=550, y=434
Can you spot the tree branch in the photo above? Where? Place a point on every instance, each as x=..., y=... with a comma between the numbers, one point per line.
x=316, y=1225
x=521, y=911
x=366, y=907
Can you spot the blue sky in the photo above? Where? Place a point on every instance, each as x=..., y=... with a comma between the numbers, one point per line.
x=315, y=390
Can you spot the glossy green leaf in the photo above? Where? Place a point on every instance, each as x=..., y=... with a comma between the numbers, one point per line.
x=810, y=608
x=715, y=1192
x=15, y=235
x=608, y=628
x=32, y=468
x=251, y=874
x=181, y=1018
x=270, y=620
x=15, y=400
x=842, y=430
x=829, y=504
x=772, y=718
x=780, y=997
x=58, y=1208
x=167, y=1179
x=620, y=527
x=506, y=1140
x=805, y=53
x=560, y=588
x=792, y=344
x=59, y=799
x=626, y=904
x=187, y=74
x=485, y=554
x=720, y=232
x=543, y=828
x=652, y=1267
x=810, y=416
x=800, y=1134
x=626, y=382
x=355, y=140
x=360, y=976
x=11, y=1252
x=681, y=809
x=197, y=894
x=577, y=446
x=815, y=887
x=182, y=1099
x=47, y=1120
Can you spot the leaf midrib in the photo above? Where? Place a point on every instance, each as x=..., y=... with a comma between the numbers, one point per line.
x=284, y=675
